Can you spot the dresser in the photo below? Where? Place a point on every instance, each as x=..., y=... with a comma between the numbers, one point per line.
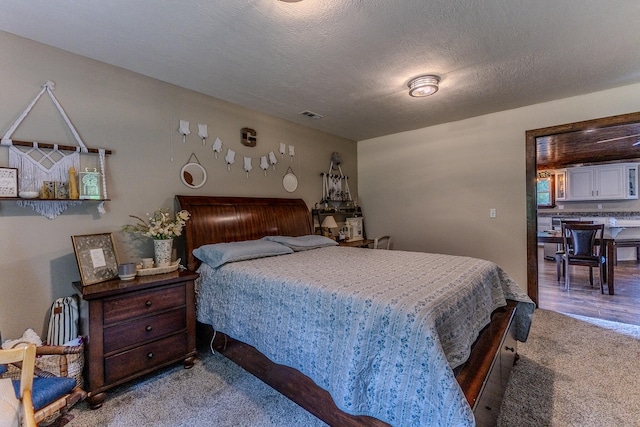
x=134, y=327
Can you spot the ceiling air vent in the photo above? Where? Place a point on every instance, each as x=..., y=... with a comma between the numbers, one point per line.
x=311, y=114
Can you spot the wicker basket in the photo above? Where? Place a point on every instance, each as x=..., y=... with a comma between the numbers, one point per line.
x=58, y=360
x=62, y=361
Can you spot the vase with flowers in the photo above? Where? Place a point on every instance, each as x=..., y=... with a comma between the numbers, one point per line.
x=162, y=227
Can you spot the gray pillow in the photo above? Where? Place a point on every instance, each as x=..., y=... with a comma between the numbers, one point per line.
x=303, y=243
x=219, y=254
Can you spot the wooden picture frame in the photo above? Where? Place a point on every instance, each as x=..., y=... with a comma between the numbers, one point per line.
x=96, y=257
x=8, y=182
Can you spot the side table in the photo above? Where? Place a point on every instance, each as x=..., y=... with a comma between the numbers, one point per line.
x=134, y=327
x=363, y=243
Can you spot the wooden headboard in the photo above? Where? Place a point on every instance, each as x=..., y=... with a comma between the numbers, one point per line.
x=232, y=219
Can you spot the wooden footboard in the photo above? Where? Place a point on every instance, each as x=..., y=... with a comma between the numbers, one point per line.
x=483, y=377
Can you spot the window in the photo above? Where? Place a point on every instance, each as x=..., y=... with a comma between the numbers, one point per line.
x=544, y=189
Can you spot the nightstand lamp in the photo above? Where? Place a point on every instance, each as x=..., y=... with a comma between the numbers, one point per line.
x=327, y=224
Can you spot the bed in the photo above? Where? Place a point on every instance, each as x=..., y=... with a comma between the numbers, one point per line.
x=357, y=337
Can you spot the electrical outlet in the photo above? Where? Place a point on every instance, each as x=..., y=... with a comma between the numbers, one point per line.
x=492, y=213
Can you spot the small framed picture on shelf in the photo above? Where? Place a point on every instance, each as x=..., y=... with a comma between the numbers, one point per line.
x=96, y=257
x=8, y=182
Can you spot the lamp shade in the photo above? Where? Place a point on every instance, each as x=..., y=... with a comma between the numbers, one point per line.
x=329, y=222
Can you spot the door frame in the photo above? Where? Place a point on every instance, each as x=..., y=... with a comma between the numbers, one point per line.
x=531, y=175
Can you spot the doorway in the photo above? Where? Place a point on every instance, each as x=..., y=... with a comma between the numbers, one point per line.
x=532, y=138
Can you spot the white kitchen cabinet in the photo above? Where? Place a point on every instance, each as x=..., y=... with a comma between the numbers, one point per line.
x=580, y=183
x=617, y=181
x=561, y=184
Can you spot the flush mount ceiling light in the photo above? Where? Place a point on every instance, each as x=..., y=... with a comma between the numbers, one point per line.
x=289, y=1
x=423, y=85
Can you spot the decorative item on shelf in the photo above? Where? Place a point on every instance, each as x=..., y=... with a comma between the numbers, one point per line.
x=48, y=190
x=356, y=228
x=162, y=228
x=61, y=190
x=73, y=184
x=90, y=184
x=328, y=223
x=8, y=182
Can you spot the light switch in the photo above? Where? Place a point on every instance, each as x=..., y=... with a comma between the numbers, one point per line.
x=492, y=213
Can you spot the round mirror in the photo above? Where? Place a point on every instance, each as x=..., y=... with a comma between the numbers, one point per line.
x=193, y=175
x=290, y=182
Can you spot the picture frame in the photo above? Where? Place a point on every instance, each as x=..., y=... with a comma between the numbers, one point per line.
x=356, y=228
x=8, y=182
x=96, y=257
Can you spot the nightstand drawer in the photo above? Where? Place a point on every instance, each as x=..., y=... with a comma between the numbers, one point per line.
x=126, y=334
x=144, y=358
x=139, y=304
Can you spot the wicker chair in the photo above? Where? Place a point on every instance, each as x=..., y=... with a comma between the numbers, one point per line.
x=11, y=413
x=56, y=387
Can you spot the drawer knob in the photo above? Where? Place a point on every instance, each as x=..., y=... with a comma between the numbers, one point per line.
x=148, y=303
x=149, y=328
x=150, y=355
x=511, y=349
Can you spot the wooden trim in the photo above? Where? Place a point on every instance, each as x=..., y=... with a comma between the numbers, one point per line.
x=531, y=173
x=49, y=146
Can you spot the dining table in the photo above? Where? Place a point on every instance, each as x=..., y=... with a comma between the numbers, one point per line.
x=607, y=241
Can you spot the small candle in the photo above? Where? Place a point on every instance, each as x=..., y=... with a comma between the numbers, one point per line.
x=73, y=186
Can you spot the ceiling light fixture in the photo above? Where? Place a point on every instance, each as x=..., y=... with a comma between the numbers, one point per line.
x=423, y=85
x=289, y=1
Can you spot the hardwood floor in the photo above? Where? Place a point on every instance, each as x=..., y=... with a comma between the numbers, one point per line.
x=584, y=300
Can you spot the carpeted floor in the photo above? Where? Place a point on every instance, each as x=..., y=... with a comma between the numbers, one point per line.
x=572, y=372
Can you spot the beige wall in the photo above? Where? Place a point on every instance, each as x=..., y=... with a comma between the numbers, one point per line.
x=136, y=117
x=431, y=189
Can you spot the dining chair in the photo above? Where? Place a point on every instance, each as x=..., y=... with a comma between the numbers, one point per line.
x=17, y=410
x=382, y=242
x=583, y=249
x=562, y=250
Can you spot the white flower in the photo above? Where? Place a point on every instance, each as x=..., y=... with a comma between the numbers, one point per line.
x=160, y=225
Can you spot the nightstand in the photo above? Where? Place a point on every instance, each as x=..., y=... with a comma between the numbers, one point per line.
x=134, y=327
x=364, y=243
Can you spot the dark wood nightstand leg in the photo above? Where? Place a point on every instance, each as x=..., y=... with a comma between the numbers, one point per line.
x=189, y=362
x=96, y=401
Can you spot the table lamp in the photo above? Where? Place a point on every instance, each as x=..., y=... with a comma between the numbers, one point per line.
x=328, y=223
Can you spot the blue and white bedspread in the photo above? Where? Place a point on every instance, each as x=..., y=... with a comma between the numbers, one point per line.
x=380, y=330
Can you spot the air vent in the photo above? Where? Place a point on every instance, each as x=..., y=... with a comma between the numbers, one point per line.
x=311, y=114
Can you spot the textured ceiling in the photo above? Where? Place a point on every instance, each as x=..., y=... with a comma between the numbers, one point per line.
x=350, y=60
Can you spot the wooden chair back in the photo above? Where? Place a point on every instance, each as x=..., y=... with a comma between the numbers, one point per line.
x=26, y=358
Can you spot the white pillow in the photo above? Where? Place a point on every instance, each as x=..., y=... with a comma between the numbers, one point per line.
x=9, y=405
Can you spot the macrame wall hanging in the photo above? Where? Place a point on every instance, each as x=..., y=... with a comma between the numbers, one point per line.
x=39, y=163
x=335, y=186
